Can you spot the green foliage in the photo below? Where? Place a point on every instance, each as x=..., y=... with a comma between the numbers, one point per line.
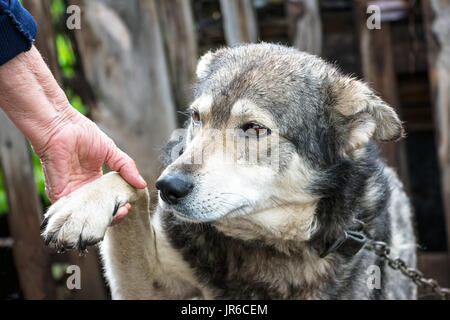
x=3, y=201
x=57, y=9
x=39, y=177
x=59, y=270
x=76, y=101
x=66, y=56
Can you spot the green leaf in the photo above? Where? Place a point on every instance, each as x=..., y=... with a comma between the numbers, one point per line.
x=57, y=10
x=66, y=56
x=59, y=270
x=3, y=199
x=76, y=101
x=39, y=179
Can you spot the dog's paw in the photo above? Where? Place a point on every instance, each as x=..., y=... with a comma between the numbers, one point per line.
x=79, y=219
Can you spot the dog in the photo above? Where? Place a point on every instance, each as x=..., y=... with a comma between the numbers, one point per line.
x=262, y=229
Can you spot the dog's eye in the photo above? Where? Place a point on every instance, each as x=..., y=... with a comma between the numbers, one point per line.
x=253, y=129
x=195, y=117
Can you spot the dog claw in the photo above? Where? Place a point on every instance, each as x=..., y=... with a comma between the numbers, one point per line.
x=116, y=207
x=82, y=245
x=48, y=238
x=44, y=224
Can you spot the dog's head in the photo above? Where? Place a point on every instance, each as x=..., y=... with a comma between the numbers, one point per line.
x=266, y=122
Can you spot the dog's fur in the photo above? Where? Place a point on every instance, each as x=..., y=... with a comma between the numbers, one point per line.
x=253, y=231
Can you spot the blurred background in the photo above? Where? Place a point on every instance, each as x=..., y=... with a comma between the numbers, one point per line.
x=130, y=65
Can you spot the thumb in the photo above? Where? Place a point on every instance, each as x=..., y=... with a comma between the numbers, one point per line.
x=119, y=161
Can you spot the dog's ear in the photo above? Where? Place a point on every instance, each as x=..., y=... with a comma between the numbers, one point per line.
x=205, y=62
x=362, y=115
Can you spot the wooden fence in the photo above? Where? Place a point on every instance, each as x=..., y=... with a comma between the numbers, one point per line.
x=134, y=82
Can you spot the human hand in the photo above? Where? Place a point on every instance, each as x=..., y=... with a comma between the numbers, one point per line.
x=74, y=153
x=72, y=148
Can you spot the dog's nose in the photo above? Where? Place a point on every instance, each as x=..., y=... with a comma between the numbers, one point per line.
x=174, y=186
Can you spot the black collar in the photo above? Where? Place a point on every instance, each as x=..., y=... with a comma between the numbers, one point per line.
x=349, y=243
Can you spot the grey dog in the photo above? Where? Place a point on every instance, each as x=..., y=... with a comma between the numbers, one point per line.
x=254, y=230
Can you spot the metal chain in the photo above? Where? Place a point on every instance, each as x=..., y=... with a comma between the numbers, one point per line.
x=382, y=250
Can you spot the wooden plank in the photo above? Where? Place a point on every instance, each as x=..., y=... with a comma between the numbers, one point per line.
x=304, y=25
x=45, y=37
x=92, y=283
x=239, y=21
x=178, y=32
x=378, y=69
x=437, y=26
x=123, y=59
x=434, y=265
x=6, y=242
x=30, y=255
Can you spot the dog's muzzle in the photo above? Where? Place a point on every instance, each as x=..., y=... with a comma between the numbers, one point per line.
x=174, y=186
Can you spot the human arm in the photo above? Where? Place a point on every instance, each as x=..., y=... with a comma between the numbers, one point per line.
x=72, y=148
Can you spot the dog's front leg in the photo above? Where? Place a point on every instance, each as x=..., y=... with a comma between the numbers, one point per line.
x=132, y=266
x=129, y=254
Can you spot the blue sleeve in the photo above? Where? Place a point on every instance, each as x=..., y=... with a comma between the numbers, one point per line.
x=17, y=30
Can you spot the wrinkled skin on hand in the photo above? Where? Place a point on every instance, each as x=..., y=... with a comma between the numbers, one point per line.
x=74, y=155
x=72, y=148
